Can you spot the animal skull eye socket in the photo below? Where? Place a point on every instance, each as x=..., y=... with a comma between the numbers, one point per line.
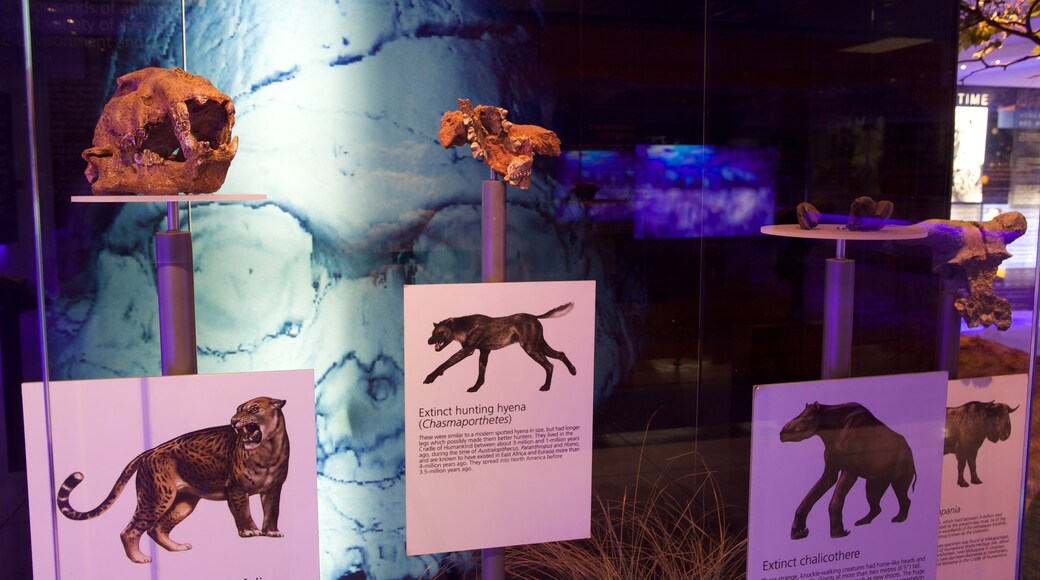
x=161, y=140
x=209, y=120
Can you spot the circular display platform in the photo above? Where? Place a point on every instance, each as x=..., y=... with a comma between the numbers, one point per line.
x=193, y=198
x=838, y=232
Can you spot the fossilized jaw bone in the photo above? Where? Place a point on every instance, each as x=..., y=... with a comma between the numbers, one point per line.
x=163, y=132
x=966, y=255
x=866, y=215
x=507, y=148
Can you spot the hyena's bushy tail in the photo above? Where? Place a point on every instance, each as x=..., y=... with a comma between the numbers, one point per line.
x=558, y=311
x=76, y=478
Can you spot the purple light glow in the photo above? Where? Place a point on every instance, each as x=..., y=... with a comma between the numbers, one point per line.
x=676, y=191
x=688, y=191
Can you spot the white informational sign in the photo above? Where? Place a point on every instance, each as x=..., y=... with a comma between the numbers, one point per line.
x=982, y=478
x=498, y=413
x=845, y=478
x=969, y=153
x=225, y=438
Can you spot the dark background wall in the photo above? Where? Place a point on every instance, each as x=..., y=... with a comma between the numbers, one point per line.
x=854, y=97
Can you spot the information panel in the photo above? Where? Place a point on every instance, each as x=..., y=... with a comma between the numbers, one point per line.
x=498, y=413
x=166, y=478
x=982, y=478
x=845, y=478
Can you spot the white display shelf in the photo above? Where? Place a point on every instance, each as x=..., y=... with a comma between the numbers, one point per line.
x=838, y=232
x=193, y=198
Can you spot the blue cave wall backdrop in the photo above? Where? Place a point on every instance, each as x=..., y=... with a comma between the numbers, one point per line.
x=338, y=105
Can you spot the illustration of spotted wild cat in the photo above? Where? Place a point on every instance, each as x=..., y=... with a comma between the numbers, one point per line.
x=232, y=462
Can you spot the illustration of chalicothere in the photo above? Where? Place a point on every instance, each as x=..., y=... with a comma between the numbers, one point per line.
x=856, y=444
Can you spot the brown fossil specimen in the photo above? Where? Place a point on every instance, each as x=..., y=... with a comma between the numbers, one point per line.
x=966, y=255
x=808, y=216
x=866, y=215
x=163, y=132
x=507, y=148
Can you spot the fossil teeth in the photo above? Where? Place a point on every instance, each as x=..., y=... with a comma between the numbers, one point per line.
x=506, y=147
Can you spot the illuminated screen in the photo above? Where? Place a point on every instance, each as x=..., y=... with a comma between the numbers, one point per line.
x=676, y=191
x=688, y=191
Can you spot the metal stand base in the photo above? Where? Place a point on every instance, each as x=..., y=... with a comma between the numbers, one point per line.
x=175, y=281
x=493, y=564
x=493, y=231
x=839, y=290
x=949, y=334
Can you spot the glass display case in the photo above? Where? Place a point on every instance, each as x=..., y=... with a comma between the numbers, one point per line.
x=687, y=128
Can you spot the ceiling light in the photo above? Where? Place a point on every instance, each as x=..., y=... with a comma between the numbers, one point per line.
x=886, y=45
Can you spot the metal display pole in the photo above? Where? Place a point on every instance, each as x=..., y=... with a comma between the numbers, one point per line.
x=948, y=346
x=175, y=276
x=176, y=285
x=493, y=231
x=493, y=269
x=839, y=291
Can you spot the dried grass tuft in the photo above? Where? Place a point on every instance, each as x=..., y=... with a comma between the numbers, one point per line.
x=656, y=530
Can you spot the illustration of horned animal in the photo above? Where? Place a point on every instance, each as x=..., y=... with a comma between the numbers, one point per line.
x=477, y=332
x=855, y=445
x=968, y=426
x=232, y=462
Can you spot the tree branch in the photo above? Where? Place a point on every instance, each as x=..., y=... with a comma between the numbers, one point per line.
x=987, y=66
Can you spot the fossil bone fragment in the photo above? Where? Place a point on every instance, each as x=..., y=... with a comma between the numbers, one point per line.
x=966, y=255
x=163, y=132
x=866, y=215
x=507, y=148
x=808, y=215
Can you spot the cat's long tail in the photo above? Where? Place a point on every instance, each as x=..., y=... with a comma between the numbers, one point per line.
x=76, y=478
x=558, y=311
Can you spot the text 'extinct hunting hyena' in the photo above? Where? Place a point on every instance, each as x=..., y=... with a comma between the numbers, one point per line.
x=855, y=444
x=477, y=332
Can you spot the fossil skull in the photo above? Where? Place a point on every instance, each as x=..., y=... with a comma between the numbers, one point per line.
x=163, y=132
x=866, y=215
x=507, y=148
